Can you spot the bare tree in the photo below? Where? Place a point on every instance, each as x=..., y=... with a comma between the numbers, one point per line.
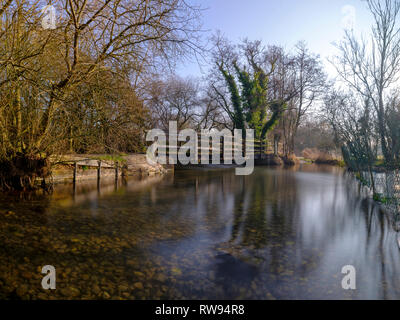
x=309, y=82
x=44, y=73
x=352, y=120
x=175, y=99
x=372, y=67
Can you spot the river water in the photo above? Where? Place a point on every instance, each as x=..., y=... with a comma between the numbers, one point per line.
x=276, y=234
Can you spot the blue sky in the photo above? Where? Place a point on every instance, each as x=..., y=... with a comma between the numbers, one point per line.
x=281, y=22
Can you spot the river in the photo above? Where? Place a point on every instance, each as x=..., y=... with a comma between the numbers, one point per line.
x=276, y=234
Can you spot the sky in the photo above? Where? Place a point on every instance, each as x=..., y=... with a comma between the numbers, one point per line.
x=282, y=22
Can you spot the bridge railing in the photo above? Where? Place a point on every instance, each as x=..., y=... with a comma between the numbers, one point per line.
x=260, y=147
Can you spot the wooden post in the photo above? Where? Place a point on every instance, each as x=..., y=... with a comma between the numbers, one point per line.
x=75, y=171
x=261, y=148
x=123, y=170
x=74, y=180
x=99, y=170
x=116, y=170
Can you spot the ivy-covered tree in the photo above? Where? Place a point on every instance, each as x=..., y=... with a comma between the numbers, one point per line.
x=251, y=106
x=237, y=114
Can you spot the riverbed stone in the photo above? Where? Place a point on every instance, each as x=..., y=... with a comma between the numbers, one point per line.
x=138, y=285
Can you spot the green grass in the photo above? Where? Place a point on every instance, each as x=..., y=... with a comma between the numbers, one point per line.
x=361, y=179
x=112, y=157
x=341, y=163
x=379, y=162
x=378, y=197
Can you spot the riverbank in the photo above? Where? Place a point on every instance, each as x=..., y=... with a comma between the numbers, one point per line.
x=278, y=160
x=87, y=166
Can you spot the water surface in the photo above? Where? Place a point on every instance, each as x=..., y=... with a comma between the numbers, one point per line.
x=277, y=234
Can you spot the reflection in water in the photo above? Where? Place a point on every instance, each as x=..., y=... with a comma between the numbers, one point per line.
x=279, y=233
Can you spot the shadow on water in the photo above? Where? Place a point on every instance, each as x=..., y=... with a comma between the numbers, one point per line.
x=278, y=233
x=231, y=272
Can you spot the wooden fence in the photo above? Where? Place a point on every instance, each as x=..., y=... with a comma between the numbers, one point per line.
x=98, y=164
x=260, y=148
